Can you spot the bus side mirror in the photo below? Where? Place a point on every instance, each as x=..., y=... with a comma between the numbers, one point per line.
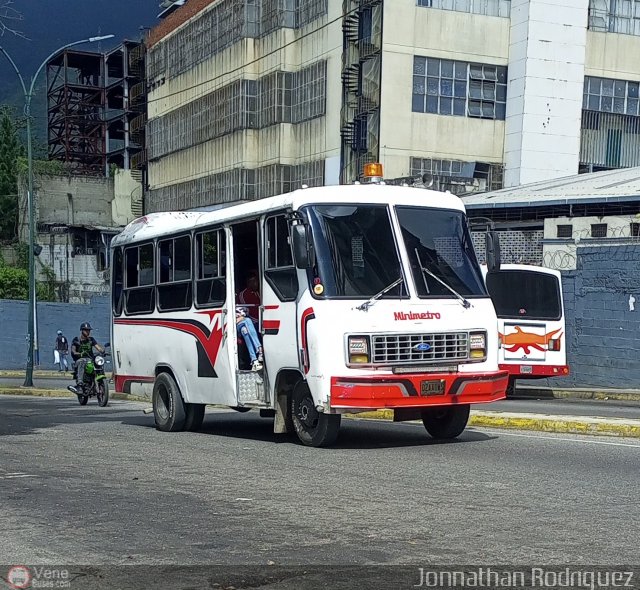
x=493, y=251
x=302, y=248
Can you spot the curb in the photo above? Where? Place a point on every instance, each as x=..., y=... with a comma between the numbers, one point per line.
x=35, y=392
x=586, y=425
x=593, y=394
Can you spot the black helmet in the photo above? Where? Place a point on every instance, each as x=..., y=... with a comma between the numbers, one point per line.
x=86, y=326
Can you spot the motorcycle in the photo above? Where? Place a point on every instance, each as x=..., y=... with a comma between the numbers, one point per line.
x=94, y=383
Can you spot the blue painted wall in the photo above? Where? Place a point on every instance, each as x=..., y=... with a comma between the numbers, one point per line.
x=51, y=318
x=603, y=332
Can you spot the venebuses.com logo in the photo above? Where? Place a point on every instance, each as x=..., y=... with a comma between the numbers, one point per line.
x=20, y=577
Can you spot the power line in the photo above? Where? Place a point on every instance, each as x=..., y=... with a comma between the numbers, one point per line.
x=242, y=67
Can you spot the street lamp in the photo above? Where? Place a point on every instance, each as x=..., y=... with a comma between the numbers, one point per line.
x=28, y=95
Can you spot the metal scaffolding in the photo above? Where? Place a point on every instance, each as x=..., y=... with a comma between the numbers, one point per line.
x=92, y=106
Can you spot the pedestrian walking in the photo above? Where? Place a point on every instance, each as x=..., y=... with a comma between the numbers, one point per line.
x=60, y=353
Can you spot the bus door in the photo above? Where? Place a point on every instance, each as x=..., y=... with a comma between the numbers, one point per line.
x=531, y=325
x=244, y=259
x=213, y=302
x=279, y=295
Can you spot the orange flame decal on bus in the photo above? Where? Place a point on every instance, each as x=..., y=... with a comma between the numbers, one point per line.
x=527, y=340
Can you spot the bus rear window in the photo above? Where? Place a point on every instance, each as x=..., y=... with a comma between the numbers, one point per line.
x=525, y=294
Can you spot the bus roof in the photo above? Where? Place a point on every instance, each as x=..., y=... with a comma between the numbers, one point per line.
x=159, y=224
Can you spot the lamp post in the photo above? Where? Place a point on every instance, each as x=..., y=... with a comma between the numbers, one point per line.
x=28, y=95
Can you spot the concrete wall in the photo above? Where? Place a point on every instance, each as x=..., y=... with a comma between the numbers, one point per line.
x=125, y=188
x=603, y=331
x=546, y=74
x=409, y=31
x=51, y=318
x=69, y=201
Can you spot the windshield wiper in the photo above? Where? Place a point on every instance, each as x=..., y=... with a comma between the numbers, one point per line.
x=367, y=304
x=464, y=302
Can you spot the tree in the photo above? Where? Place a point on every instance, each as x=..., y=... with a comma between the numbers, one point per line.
x=9, y=16
x=10, y=151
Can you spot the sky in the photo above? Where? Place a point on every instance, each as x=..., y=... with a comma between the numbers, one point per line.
x=48, y=24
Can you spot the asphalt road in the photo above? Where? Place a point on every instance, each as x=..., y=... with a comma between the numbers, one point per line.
x=564, y=407
x=87, y=485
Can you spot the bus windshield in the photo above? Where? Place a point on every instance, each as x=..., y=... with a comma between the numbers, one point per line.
x=355, y=249
x=439, y=241
x=525, y=294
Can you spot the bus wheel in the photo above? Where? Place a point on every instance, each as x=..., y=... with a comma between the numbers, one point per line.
x=313, y=428
x=194, y=415
x=511, y=387
x=446, y=421
x=168, y=407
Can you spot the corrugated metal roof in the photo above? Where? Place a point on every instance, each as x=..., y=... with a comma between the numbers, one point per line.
x=610, y=186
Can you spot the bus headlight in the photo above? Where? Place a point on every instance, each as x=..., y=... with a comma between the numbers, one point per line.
x=478, y=345
x=358, y=350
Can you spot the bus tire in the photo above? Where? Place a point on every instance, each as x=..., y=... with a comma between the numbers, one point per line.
x=168, y=407
x=194, y=415
x=314, y=429
x=446, y=421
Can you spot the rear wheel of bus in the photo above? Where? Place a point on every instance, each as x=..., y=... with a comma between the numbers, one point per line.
x=313, y=428
x=446, y=421
x=168, y=406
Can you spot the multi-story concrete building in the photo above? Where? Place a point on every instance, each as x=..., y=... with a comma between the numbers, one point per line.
x=249, y=98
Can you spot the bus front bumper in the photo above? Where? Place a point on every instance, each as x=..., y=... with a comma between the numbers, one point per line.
x=405, y=391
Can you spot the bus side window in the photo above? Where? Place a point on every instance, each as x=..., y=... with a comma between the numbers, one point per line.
x=174, y=281
x=280, y=272
x=139, y=289
x=211, y=284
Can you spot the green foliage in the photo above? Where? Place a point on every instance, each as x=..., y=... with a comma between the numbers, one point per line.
x=14, y=283
x=10, y=150
x=46, y=290
x=14, y=280
x=45, y=167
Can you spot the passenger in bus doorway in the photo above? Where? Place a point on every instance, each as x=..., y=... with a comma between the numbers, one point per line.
x=247, y=331
x=249, y=297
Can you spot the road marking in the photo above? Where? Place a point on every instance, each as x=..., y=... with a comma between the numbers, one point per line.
x=574, y=440
x=16, y=475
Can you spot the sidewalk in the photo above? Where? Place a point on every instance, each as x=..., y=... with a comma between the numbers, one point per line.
x=480, y=418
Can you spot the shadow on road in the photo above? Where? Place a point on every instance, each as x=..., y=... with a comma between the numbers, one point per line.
x=30, y=415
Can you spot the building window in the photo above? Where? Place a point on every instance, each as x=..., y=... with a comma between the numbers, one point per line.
x=487, y=7
x=611, y=96
x=598, y=230
x=634, y=230
x=448, y=87
x=615, y=16
x=564, y=231
x=457, y=176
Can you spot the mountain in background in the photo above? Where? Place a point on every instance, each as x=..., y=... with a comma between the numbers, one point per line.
x=48, y=24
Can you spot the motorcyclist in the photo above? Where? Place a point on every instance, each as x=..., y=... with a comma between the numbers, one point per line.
x=82, y=351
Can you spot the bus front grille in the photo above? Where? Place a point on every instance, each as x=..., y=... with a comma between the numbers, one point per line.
x=420, y=348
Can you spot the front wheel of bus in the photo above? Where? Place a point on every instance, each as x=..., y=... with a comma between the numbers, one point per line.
x=194, y=415
x=313, y=428
x=168, y=407
x=446, y=421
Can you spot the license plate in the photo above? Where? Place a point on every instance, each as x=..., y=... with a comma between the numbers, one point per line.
x=526, y=369
x=432, y=387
